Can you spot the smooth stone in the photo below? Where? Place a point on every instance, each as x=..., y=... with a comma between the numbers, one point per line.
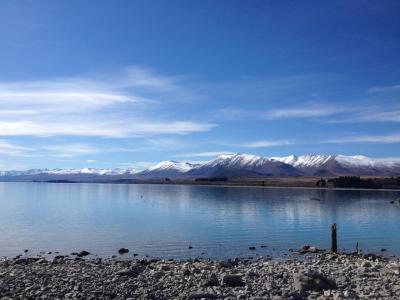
x=366, y=264
x=83, y=253
x=232, y=280
x=133, y=272
x=123, y=251
x=165, y=268
x=212, y=280
x=312, y=281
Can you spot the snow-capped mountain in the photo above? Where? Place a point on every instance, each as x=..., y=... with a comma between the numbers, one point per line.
x=325, y=165
x=230, y=166
x=304, y=161
x=243, y=165
x=84, y=171
x=168, y=168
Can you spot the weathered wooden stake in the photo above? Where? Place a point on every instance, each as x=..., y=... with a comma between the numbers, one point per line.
x=357, y=248
x=333, y=238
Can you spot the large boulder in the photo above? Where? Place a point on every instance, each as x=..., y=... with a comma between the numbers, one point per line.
x=83, y=253
x=394, y=267
x=232, y=280
x=132, y=272
x=312, y=281
x=212, y=280
x=123, y=251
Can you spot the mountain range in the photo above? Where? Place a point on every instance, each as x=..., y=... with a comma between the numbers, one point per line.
x=230, y=166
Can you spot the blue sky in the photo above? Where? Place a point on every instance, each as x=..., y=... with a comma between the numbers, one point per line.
x=129, y=83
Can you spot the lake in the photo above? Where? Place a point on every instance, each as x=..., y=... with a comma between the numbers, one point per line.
x=218, y=222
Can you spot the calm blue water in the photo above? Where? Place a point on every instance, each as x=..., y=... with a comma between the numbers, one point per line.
x=163, y=220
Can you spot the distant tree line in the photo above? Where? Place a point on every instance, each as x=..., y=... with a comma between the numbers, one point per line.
x=366, y=183
x=212, y=179
x=321, y=183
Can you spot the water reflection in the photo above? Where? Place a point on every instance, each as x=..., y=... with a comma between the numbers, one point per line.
x=162, y=220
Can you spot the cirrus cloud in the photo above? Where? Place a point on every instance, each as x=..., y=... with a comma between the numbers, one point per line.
x=126, y=105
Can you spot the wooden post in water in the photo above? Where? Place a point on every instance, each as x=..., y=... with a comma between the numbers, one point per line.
x=333, y=238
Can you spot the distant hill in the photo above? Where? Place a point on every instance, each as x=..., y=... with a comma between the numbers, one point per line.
x=224, y=166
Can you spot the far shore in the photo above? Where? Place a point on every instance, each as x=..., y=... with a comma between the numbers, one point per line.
x=277, y=184
x=310, y=182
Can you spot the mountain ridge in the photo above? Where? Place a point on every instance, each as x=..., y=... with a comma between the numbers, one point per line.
x=239, y=165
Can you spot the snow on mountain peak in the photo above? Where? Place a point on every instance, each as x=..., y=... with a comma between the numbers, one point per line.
x=83, y=171
x=291, y=159
x=364, y=161
x=172, y=165
x=318, y=160
x=308, y=160
x=306, y=164
x=355, y=160
x=236, y=160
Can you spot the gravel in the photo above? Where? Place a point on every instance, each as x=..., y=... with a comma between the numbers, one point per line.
x=319, y=276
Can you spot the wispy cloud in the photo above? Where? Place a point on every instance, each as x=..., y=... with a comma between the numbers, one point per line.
x=71, y=150
x=6, y=166
x=80, y=149
x=385, y=113
x=237, y=114
x=389, y=88
x=266, y=143
x=303, y=112
x=17, y=112
x=126, y=105
x=100, y=128
x=383, y=139
x=11, y=149
x=282, y=113
x=164, y=143
x=205, y=154
x=140, y=76
x=344, y=139
x=362, y=112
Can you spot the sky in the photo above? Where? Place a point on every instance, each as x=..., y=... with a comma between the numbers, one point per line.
x=117, y=84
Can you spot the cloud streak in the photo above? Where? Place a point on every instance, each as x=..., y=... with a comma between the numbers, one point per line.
x=205, y=154
x=124, y=106
x=371, y=114
x=266, y=143
x=380, y=89
x=7, y=148
x=380, y=139
x=120, y=129
x=325, y=113
x=302, y=112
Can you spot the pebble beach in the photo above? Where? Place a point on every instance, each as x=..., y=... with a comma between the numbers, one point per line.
x=319, y=276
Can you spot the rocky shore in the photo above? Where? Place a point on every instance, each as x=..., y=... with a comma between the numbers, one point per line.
x=320, y=276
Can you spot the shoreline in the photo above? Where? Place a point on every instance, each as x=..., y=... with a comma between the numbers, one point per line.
x=271, y=187
x=233, y=184
x=320, y=276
